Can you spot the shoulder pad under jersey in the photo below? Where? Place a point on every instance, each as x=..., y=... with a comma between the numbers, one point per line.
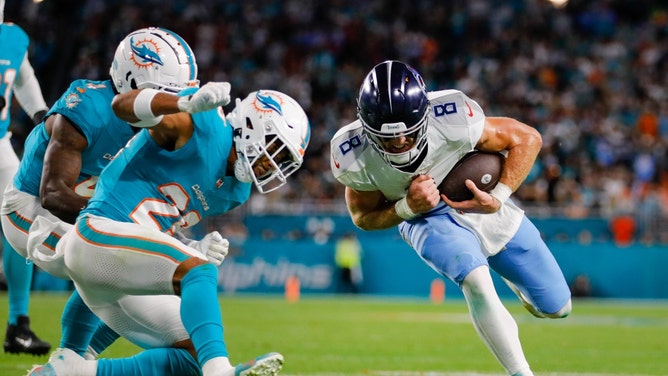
x=455, y=115
x=455, y=107
x=16, y=35
x=351, y=156
x=87, y=104
x=347, y=146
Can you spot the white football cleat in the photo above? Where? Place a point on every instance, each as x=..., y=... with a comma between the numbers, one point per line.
x=62, y=362
x=264, y=365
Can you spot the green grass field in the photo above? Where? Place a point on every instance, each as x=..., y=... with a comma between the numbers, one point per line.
x=409, y=337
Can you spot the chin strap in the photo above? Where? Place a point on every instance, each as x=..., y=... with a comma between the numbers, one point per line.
x=242, y=172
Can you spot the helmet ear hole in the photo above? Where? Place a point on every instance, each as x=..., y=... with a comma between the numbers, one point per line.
x=133, y=84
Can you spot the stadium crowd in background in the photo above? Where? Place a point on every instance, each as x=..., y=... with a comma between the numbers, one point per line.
x=591, y=76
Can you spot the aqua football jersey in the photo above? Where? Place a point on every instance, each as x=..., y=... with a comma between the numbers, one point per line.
x=13, y=47
x=171, y=190
x=87, y=104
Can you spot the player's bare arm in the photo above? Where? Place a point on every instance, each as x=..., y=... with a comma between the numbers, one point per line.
x=522, y=142
x=160, y=104
x=173, y=128
x=168, y=115
x=370, y=210
x=62, y=165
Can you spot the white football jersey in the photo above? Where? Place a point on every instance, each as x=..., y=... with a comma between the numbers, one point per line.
x=455, y=124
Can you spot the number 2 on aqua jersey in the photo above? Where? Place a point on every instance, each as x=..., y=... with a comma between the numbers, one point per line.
x=150, y=209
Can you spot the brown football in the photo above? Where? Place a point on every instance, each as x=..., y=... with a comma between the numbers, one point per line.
x=483, y=168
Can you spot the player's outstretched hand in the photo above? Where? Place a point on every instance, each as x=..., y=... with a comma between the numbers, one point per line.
x=210, y=96
x=214, y=247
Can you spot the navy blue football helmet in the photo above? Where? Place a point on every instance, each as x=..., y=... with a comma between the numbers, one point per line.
x=393, y=102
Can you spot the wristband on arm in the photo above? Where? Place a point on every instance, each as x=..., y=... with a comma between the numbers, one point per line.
x=501, y=192
x=142, y=109
x=403, y=210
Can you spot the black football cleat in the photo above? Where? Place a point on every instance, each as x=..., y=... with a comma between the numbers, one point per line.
x=20, y=339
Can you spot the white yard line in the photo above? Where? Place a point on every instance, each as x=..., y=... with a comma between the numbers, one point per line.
x=406, y=373
x=416, y=373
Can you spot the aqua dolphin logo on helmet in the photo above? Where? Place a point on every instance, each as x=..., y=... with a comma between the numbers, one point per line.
x=266, y=103
x=142, y=51
x=154, y=58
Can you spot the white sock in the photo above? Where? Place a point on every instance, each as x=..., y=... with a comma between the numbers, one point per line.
x=217, y=366
x=89, y=367
x=90, y=354
x=66, y=361
x=494, y=324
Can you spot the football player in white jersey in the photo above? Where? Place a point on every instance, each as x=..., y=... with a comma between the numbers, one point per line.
x=391, y=161
x=17, y=77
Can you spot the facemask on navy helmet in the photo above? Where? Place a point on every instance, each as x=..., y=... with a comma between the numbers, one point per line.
x=393, y=102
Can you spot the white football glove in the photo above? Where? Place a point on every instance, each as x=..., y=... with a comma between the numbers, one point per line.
x=212, y=246
x=210, y=96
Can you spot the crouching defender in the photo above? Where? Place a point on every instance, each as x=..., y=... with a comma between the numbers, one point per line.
x=190, y=162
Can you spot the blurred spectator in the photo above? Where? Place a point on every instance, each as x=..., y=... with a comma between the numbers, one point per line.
x=581, y=287
x=348, y=259
x=623, y=230
x=320, y=229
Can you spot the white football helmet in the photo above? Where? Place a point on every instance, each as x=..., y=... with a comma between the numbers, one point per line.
x=153, y=58
x=268, y=124
x=2, y=11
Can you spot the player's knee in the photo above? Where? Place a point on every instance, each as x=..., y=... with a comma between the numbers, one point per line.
x=563, y=312
x=186, y=268
x=186, y=344
x=478, y=283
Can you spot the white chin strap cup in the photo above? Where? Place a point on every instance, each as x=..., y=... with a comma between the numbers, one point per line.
x=242, y=171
